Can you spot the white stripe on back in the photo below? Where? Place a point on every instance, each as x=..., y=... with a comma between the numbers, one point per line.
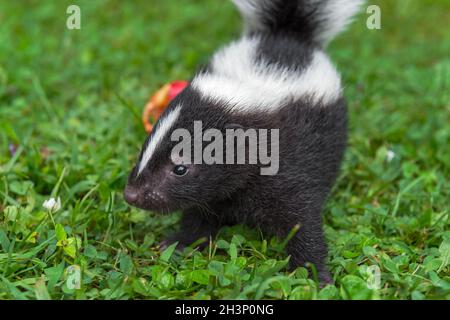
x=164, y=124
x=246, y=85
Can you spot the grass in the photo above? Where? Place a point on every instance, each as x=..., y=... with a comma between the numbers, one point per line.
x=70, y=104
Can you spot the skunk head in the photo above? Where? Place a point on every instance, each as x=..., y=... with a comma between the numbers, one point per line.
x=162, y=180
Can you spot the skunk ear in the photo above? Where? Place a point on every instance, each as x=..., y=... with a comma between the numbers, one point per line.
x=233, y=126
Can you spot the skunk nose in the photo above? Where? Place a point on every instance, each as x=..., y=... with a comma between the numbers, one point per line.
x=130, y=195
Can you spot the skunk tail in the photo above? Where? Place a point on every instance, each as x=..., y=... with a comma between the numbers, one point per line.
x=316, y=21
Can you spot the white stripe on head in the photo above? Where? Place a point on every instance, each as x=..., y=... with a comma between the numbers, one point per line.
x=164, y=124
x=249, y=85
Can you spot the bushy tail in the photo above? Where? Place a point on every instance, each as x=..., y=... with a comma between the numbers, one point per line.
x=317, y=21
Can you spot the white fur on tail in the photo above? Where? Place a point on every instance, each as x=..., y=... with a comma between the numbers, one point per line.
x=336, y=15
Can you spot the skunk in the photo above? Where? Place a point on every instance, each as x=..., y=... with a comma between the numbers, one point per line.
x=276, y=76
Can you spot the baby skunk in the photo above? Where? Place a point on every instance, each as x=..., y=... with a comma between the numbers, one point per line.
x=275, y=76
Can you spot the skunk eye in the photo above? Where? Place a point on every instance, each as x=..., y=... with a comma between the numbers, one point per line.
x=180, y=170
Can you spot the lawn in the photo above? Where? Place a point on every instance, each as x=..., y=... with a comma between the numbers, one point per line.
x=70, y=102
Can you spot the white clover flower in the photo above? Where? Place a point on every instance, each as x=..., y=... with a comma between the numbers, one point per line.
x=390, y=155
x=52, y=204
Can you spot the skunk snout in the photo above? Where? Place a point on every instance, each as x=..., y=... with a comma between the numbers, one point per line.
x=131, y=195
x=145, y=198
